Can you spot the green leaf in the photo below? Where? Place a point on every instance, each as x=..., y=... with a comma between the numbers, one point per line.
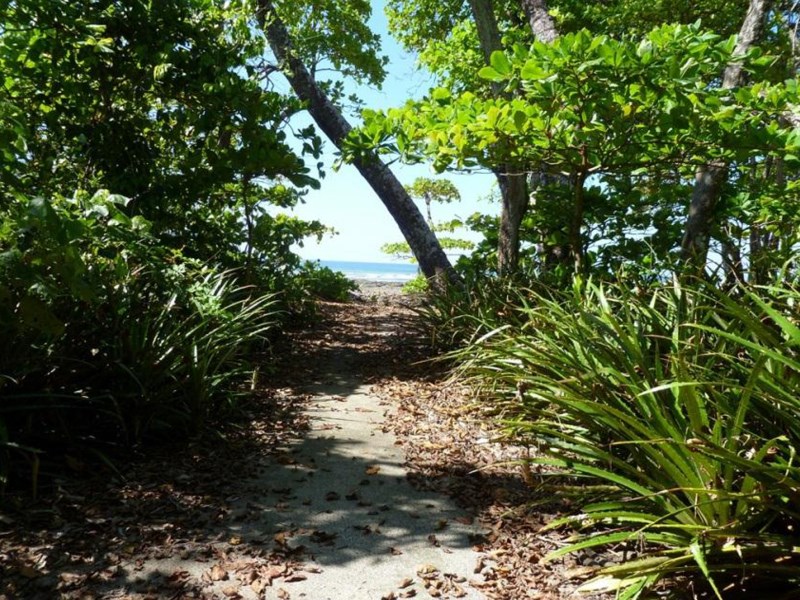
x=500, y=63
x=533, y=71
x=698, y=553
x=36, y=314
x=490, y=74
x=520, y=118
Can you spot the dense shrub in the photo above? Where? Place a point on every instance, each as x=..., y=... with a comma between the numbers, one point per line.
x=106, y=336
x=324, y=283
x=125, y=318
x=418, y=285
x=681, y=401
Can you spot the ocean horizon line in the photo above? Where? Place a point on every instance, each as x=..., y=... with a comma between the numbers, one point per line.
x=379, y=272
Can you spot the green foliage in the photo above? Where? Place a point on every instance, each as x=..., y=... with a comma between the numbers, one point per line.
x=397, y=249
x=160, y=102
x=595, y=103
x=681, y=402
x=418, y=285
x=632, y=17
x=180, y=365
x=433, y=190
x=336, y=31
x=109, y=336
x=129, y=314
x=619, y=126
x=325, y=283
x=442, y=191
x=457, y=315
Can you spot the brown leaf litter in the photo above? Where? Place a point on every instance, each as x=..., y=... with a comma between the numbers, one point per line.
x=91, y=535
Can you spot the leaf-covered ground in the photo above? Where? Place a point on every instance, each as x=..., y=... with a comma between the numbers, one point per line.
x=93, y=532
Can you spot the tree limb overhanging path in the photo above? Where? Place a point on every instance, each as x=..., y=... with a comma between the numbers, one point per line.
x=432, y=259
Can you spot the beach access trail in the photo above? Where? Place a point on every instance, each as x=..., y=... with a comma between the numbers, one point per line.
x=360, y=476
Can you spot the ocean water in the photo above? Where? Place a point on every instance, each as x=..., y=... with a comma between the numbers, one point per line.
x=368, y=271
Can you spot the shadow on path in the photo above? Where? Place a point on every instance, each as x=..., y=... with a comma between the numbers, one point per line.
x=326, y=513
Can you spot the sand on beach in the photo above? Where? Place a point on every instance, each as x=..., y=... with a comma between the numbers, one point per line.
x=379, y=288
x=383, y=292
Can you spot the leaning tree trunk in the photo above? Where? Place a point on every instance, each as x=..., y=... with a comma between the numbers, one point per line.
x=426, y=248
x=710, y=178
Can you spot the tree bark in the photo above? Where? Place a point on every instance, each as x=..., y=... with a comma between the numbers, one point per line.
x=486, y=24
x=540, y=21
x=513, y=186
x=514, y=193
x=576, y=223
x=422, y=241
x=711, y=178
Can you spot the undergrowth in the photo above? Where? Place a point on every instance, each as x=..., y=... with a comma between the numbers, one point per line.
x=682, y=400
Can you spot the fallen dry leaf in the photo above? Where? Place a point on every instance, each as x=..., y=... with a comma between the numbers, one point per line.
x=218, y=573
x=29, y=572
x=184, y=502
x=405, y=583
x=427, y=571
x=281, y=537
x=274, y=572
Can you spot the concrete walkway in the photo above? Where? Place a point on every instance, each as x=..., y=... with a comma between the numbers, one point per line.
x=367, y=529
x=337, y=507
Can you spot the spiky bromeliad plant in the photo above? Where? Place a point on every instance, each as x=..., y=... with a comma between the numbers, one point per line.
x=184, y=357
x=684, y=401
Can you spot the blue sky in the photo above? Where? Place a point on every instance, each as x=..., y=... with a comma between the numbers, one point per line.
x=347, y=203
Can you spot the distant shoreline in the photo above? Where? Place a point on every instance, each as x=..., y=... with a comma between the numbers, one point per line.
x=378, y=290
x=394, y=273
x=382, y=292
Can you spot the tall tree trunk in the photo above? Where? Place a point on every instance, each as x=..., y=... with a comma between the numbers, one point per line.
x=732, y=264
x=514, y=192
x=576, y=223
x=769, y=249
x=711, y=178
x=552, y=255
x=513, y=186
x=486, y=25
x=426, y=248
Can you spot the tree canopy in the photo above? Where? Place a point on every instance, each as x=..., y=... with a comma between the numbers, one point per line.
x=622, y=119
x=630, y=316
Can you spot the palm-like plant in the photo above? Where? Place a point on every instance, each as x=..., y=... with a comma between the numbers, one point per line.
x=685, y=401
